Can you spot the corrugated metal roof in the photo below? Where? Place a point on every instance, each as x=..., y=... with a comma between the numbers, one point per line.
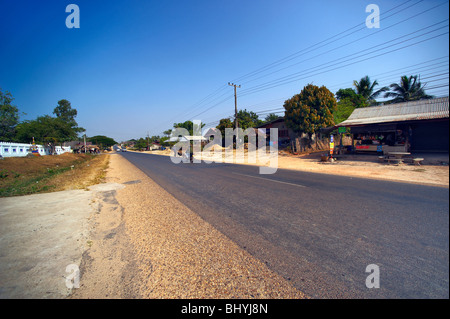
x=408, y=111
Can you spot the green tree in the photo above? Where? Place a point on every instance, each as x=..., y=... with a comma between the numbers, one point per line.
x=271, y=117
x=348, y=101
x=223, y=124
x=102, y=141
x=345, y=93
x=188, y=125
x=48, y=129
x=67, y=114
x=155, y=138
x=9, y=117
x=141, y=144
x=366, y=88
x=409, y=89
x=351, y=96
x=45, y=129
x=163, y=140
x=310, y=110
x=248, y=119
x=344, y=109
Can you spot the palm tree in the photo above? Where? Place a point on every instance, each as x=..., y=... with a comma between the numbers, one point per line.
x=366, y=88
x=410, y=89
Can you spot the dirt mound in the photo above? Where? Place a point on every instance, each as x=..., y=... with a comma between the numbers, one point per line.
x=215, y=147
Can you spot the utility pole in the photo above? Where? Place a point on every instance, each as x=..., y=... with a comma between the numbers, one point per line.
x=235, y=108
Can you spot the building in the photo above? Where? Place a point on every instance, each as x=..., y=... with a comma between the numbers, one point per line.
x=415, y=126
x=155, y=146
x=8, y=149
x=285, y=134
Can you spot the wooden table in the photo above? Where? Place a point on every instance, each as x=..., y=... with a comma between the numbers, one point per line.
x=399, y=155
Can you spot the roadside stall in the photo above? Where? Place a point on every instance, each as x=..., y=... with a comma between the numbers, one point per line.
x=407, y=127
x=382, y=139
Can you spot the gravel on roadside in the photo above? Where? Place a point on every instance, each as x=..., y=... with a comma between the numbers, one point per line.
x=162, y=249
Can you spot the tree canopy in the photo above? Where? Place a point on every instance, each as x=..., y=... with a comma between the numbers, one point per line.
x=9, y=117
x=270, y=117
x=141, y=143
x=409, y=89
x=310, y=110
x=188, y=125
x=348, y=101
x=223, y=124
x=102, y=140
x=45, y=129
x=67, y=114
x=248, y=119
x=366, y=88
x=344, y=109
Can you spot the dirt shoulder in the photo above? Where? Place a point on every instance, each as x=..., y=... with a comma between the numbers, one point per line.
x=147, y=244
x=367, y=166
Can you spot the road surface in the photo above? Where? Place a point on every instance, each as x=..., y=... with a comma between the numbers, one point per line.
x=320, y=231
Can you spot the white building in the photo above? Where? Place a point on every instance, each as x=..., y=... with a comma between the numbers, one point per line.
x=8, y=149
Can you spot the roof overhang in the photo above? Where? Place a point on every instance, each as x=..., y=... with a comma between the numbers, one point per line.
x=431, y=109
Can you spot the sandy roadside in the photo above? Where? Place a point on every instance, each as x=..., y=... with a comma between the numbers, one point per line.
x=146, y=244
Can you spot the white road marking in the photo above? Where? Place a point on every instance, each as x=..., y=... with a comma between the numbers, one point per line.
x=268, y=179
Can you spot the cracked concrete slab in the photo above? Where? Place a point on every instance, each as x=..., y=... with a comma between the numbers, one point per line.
x=40, y=235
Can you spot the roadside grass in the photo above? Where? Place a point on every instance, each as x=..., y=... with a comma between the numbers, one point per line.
x=25, y=176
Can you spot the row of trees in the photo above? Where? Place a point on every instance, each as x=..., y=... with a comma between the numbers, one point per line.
x=57, y=129
x=246, y=119
x=409, y=89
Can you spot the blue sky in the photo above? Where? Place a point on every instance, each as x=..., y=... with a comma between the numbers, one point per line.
x=137, y=67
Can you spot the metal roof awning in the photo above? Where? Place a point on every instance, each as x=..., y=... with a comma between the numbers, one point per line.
x=408, y=111
x=186, y=138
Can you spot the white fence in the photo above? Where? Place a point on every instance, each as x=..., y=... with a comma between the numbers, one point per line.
x=20, y=149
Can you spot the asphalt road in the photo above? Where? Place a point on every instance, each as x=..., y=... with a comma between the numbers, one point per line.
x=321, y=231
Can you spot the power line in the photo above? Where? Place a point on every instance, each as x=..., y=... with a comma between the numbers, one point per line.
x=324, y=65
x=401, y=70
x=198, y=104
x=334, y=38
x=209, y=108
x=351, y=42
x=296, y=76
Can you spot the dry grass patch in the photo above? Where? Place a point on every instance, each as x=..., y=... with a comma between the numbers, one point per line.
x=24, y=176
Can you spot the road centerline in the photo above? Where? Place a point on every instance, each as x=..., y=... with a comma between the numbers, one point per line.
x=268, y=179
